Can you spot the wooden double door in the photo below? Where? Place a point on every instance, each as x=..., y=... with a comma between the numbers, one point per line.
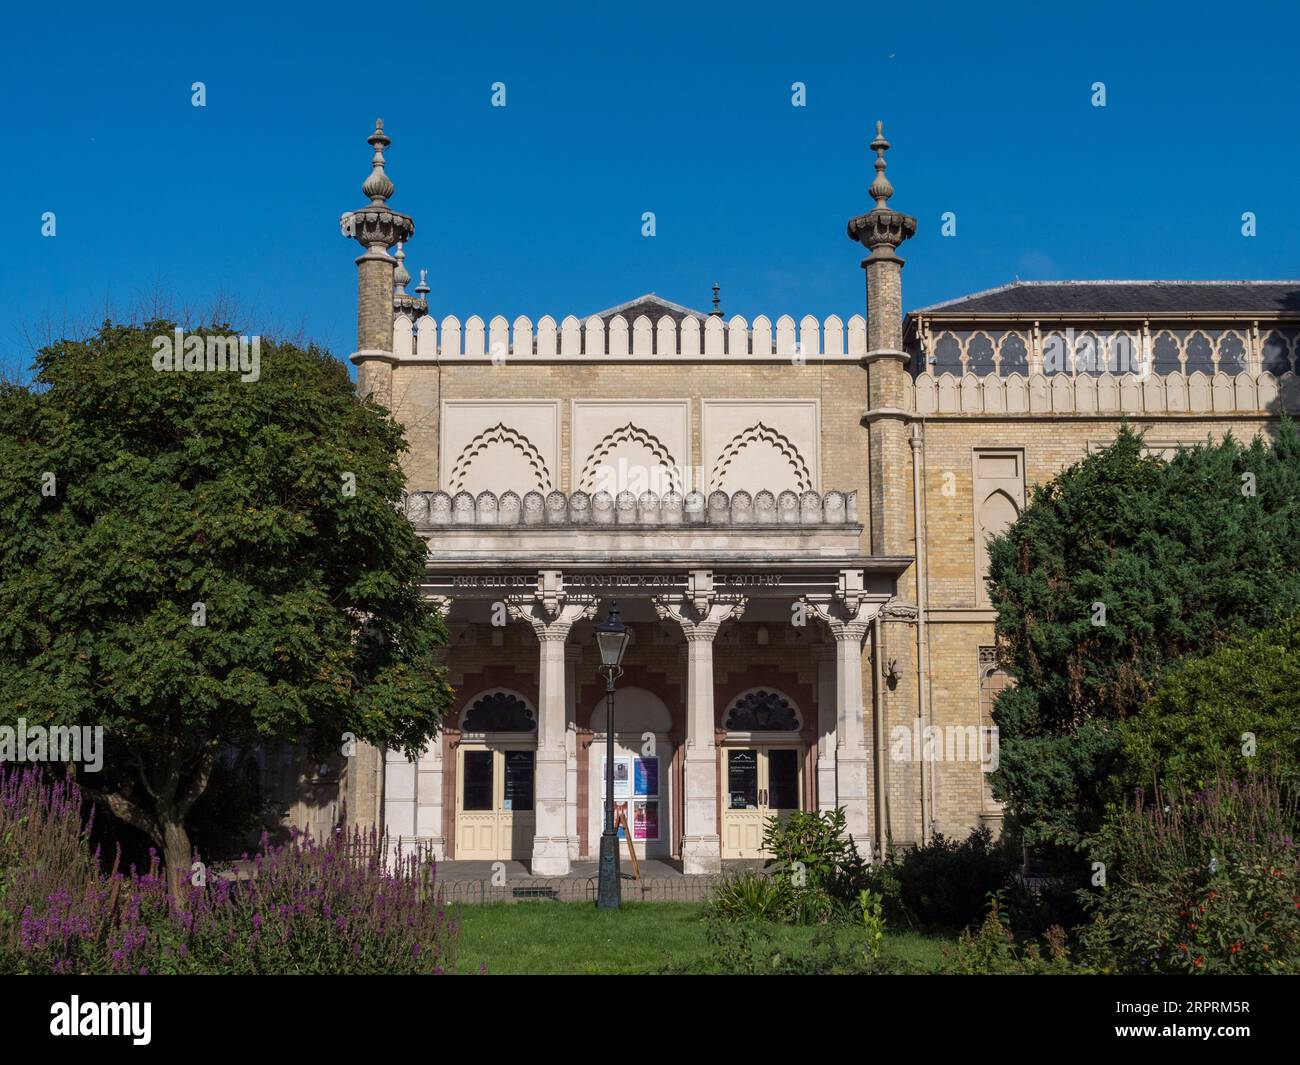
x=495, y=819
x=759, y=782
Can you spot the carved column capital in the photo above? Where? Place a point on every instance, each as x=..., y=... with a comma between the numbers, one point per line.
x=550, y=624
x=700, y=623
x=845, y=622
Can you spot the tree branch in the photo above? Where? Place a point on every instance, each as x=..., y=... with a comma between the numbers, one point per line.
x=126, y=810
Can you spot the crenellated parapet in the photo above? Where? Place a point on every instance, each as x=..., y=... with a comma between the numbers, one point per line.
x=1105, y=394
x=499, y=339
x=434, y=510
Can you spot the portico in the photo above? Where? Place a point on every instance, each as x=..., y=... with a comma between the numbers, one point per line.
x=743, y=697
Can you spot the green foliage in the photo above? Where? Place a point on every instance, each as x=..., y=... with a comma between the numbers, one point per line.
x=1183, y=555
x=748, y=948
x=746, y=895
x=944, y=885
x=1192, y=729
x=1200, y=882
x=172, y=489
x=993, y=951
x=871, y=909
x=816, y=874
x=816, y=865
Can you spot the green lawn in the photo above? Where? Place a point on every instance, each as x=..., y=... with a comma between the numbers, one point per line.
x=573, y=938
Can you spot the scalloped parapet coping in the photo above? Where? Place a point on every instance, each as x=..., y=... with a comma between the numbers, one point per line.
x=500, y=339
x=1172, y=393
x=438, y=510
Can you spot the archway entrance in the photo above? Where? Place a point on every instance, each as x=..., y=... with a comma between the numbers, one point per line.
x=496, y=771
x=762, y=770
x=643, y=779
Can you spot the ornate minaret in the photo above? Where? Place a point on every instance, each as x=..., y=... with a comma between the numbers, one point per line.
x=882, y=230
x=376, y=227
x=892, y=459
x=403, y=301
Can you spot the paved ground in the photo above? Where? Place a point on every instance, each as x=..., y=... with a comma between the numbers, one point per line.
x=651, y=869
x=660, y=881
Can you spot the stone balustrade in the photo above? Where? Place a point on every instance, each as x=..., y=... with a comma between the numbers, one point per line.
x=433, y=510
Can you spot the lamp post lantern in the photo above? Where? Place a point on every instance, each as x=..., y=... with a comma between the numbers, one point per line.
x=611, y=639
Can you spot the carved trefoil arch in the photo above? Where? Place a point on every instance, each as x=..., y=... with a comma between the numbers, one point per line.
x=660, y=475
x=784, y=469
x=499, y=710
x=517, y=457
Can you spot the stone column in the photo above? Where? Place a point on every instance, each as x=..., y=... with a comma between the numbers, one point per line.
x=551, y=620
x=571, y=658
x=430, y=813
x=700, y=613
x=827, y=730
x=848, y=616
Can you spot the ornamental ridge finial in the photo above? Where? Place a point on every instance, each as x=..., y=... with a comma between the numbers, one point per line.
x=401, y=276
x=378, y=186
x=880, y=189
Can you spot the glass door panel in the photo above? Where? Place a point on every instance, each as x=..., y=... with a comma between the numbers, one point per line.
x=477, y=792
x=782, y=779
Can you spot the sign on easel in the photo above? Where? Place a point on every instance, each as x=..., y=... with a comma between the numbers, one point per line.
x=620, y=822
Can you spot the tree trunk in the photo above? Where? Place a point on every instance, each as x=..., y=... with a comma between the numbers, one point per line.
x=178, y=854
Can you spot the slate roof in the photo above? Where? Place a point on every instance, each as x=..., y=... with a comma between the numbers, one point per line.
x=1157, y=298
x=652, y=306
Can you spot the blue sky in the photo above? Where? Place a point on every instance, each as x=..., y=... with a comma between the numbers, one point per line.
x=615, y=110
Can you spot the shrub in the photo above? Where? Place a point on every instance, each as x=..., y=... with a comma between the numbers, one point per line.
x=750, y=949
x=944, y=885
x=816, y=865
x=745, y=896
x=993, y=951
x=1200, y=882
x=1191, y=730
x=329, y=907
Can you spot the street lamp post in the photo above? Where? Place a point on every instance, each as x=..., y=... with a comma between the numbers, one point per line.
x=611, y=639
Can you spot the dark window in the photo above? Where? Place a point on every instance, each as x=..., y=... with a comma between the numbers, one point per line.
x=762, y=711
x=783, y=779
x=500, y=712
x=1232, y=354
x=519, y=780
x=947, y=356
x=1014, y=355
x=1057, y=356
x=742, y=779
x=1276, y=360
x=1200, y=354
x=477, y=793
x=979, y=355
x=1164, y=354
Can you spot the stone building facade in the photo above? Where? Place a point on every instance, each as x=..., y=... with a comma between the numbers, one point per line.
x=751, y=493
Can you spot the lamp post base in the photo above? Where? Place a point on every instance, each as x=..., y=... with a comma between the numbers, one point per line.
x=609, y=891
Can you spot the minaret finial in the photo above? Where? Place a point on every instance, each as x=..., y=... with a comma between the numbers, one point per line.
x=401, y=276
x=422, y=289
x=880, y=189
x=717, y=304
x=378, y=186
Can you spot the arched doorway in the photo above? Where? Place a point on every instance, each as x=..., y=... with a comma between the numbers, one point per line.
x=643, y=781
x=496, y=771
x=762, y=768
